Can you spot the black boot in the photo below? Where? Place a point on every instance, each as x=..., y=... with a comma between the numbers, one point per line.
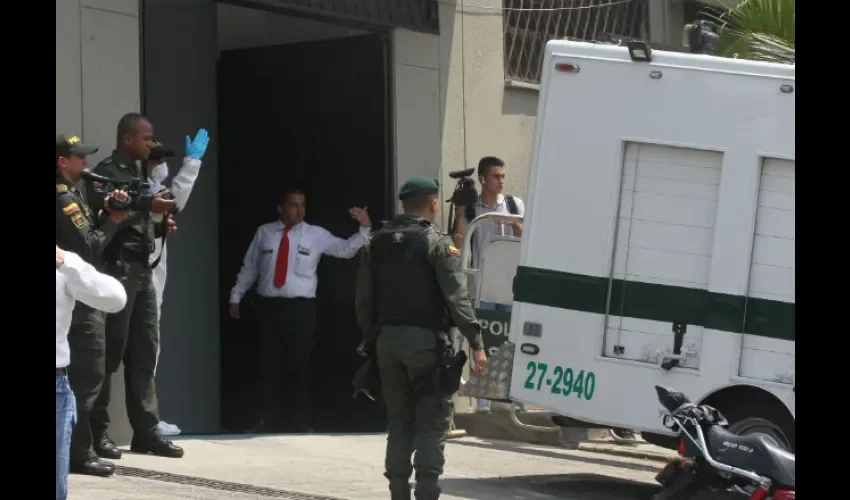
x=427, y=488
x=399, y=489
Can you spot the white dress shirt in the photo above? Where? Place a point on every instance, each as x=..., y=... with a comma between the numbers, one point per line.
x=79, y=280
x=307, y=244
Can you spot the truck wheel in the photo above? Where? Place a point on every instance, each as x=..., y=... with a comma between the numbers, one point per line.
x=755, y=426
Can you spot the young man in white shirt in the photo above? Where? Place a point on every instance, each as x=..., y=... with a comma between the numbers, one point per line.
x=76, y=280
x=282, y=259
x=491, y=178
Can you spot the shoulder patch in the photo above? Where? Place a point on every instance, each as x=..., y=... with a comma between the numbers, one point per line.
x=453, y=250
x=61, y=188
x=78, y=221
x=70, y=209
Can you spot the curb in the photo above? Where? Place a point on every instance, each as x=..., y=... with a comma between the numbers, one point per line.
x=624, y=452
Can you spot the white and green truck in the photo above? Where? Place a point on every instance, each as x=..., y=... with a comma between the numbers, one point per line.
x=657, y=246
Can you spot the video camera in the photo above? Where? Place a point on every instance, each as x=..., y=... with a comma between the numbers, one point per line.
x=138, y=189
x=464, y=193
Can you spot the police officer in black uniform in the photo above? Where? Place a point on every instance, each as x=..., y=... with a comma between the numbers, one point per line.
x=131, y=335
x=410, y=290
x=77, y=231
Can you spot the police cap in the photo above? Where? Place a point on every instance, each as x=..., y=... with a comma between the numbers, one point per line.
x=418, y=186
x=71, y=145
x=159, y=151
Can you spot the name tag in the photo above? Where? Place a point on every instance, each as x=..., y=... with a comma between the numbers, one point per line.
x=303, y=251
x=267, y=251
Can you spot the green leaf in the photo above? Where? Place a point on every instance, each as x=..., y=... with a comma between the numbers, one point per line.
x=762, y=30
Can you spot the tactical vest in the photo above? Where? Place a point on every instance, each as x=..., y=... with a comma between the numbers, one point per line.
x=406, y=289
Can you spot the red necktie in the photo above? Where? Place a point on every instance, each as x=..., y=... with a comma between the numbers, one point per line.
x=282, y=259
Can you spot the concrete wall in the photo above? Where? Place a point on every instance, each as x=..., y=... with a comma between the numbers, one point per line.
x=180, y=98
x=666, y=21
x=93, y=38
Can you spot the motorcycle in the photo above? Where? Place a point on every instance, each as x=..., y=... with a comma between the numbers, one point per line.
x=714, y=463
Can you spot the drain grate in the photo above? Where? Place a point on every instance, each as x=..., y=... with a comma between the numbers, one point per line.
x=218, y=485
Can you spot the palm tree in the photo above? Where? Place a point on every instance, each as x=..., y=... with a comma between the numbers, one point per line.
x=757, y=29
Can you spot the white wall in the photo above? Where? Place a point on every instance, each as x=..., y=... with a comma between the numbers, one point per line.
x=416, y=100
x=97, y=81
x=97, y=68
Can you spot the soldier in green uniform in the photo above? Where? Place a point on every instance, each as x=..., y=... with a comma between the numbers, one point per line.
x=77, y=231
x=410, y=290
x=131, y=335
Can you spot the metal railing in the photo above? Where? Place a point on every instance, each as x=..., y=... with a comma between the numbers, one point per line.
x=529, y=24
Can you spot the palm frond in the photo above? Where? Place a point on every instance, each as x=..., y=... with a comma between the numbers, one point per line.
x=758, y=29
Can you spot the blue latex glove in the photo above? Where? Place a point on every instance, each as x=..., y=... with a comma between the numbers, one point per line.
x=196, y=147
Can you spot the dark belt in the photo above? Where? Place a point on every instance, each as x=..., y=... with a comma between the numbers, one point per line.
x=61, y=371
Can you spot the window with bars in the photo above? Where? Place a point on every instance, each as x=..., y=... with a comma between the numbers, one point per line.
x=529, y=24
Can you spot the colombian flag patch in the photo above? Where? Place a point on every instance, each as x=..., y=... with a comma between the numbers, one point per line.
x=73, y=207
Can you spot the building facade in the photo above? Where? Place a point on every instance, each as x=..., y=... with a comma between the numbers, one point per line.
x=453, y=96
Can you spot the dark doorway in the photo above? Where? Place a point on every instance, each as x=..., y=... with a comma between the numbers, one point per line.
x=313, y=115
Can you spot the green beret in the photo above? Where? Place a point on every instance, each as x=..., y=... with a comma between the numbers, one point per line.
x=416, y=186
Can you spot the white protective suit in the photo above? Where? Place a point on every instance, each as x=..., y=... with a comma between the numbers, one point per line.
x=181, y=188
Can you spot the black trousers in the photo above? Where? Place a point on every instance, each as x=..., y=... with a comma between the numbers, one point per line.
x=132, y=337
x=87, y=339
x=286, y=342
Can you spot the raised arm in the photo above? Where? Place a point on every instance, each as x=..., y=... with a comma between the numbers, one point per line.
x=344, y=248
x=184, y=181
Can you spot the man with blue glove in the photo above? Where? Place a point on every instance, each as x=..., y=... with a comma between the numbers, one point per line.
x=181, y=188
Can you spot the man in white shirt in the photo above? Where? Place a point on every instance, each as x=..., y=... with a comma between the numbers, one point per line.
x=282, y=259
x=76, y=280
x=181, y=188
x=491, y=177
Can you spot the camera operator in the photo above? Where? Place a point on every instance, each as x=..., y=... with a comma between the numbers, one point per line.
x=132, y=334
x=77, y=231
x=491, y=176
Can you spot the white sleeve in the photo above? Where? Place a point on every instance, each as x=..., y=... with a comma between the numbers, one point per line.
x=94, y=289
x=248, y=274
x=184, y=181
x=344, y=249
